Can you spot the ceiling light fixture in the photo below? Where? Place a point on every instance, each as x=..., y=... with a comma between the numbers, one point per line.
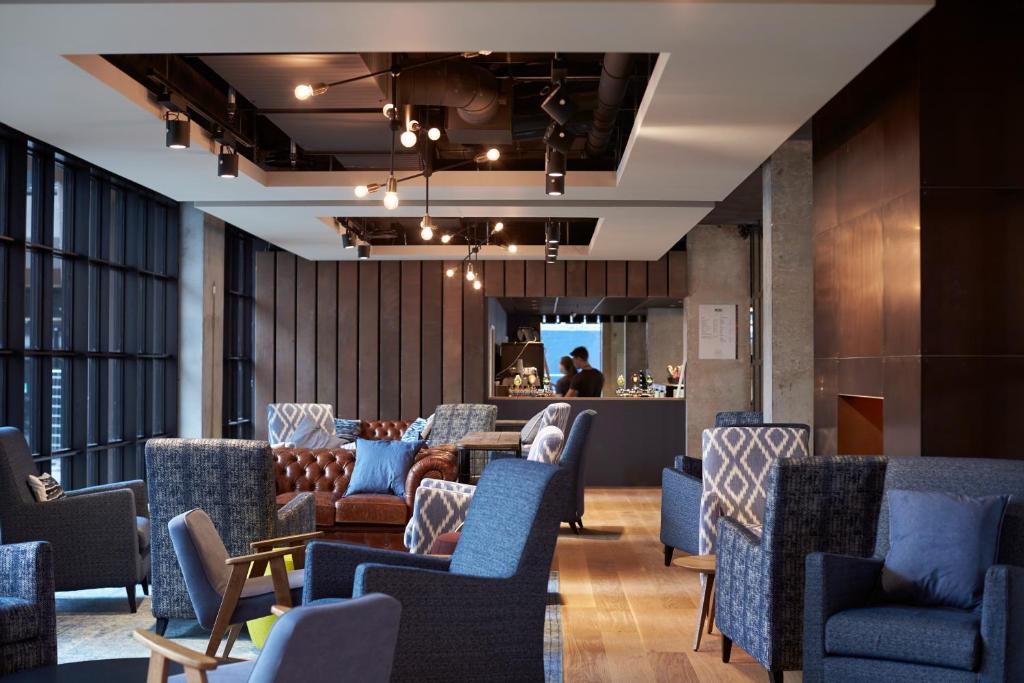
x=304, y=91
x=513, y=248
x=450, y=272
x=492, y=154
x=227, y=162
x=391, y=194
x=434, y=133
x=555, y=163
x=470, y=274
x=346, y=240
x=363, y=252
x=551, y=233
x=499, y=226
x=558, y=106
x=555, y=185
x=409, y=137
x=446, y=238
x=558, y=138
x=178, y=132
x=477, y=284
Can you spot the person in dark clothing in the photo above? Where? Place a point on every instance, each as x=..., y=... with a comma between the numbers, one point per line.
x=588, y=381
x=568, y=372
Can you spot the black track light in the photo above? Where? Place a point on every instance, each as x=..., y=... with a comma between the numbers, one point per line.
x=558, y=106
x=346, y=241
x=363, y=252
x=555, y=164
x=555, y=185
x=552, y=234
x=227, y=163
x=558, y=138
x=177, y=131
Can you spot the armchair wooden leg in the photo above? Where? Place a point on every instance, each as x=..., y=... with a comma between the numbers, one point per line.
x=702, y=611
x=711, y=615
x=726, y=648
x=158, y=670
x=668, y=555
x=227, y=607
x=161, y=626
x=232, y=636
x=130, y=590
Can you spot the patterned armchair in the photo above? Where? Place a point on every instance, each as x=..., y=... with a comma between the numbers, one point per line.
x=28, y=621
x=812, y=504
x=488, y=598
x=555, y=415
x=572, y=462
x=849, y=635
x=735, y=466
x=99, y=536
x=284, y=418
x=233, y=481
x=452, y=421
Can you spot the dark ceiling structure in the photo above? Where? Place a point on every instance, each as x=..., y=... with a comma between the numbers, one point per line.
x=461, y=231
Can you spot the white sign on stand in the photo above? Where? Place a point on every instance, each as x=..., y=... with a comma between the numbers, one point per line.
x=717, y=332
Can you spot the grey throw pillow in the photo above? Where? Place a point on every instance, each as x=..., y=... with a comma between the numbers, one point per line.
x=45, y=488
x=348, y=430
x=310, y=434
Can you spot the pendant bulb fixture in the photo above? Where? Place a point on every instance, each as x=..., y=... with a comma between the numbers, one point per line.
x=426, y=228
x=477, y=284
x=513, y=248
x=361, y=191
x=450, y=272
x=391, y=194
x=304, y=91
x=446, y=238
x=470, y=275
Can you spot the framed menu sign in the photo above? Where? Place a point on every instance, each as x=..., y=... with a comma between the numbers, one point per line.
x=717, y=332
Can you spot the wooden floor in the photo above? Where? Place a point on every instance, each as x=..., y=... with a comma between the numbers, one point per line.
x=626, y=616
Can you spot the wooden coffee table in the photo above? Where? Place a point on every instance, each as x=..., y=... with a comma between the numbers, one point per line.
x=485, y=441
x=704, y=565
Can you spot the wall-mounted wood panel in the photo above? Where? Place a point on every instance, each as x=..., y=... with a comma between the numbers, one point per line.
x=535, y=278
x=369, y=340
x=616, y=283
x=677, y=274
x=263, y=351
x=554, y=277
x=576, y=278
x=451, y=369
x=390, y=338
x=657, y=277
x=348, y=340
x=305, y=331
x=636, y=278
x=515, y=278
x=474, y=345
x=411, y=339
x=432, y=285
x=597, y=272
x=494, y=278
x=326, y=332
x=284, y=326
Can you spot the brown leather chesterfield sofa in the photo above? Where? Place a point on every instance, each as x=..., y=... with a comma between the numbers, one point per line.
x=371, y=519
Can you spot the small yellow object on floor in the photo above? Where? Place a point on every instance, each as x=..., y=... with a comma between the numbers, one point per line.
x=259, y=629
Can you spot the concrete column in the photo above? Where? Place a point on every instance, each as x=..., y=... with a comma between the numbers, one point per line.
x=718, y=272
x=201, y=325
x=787, y=259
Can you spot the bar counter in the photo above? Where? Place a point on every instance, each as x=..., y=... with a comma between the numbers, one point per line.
x=632, y=438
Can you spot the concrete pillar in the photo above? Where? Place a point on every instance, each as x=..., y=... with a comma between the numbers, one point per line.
x=718, y=272
x=787, y=259
x=201, y=325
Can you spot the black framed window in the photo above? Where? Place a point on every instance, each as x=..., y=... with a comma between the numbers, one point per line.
x=239, y=330
x=88, y=313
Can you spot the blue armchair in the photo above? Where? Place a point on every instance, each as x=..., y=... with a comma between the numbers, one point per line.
x=849, y=635
x=488, y=598
x=28, y=620
x=812, y=504
x=572, y=461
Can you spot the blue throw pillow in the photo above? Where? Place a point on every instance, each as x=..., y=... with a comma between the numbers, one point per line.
x=348, y=429
x=415, y=428
x=941, y=545
x=381, y=466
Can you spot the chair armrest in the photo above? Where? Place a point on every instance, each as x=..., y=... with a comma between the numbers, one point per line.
x=410, y=583
x=161, y=649
x=832, y=583
x=292, y=540
x=1002, y=624
x=26, y=572
x=739, y=576
x=263, y=556
x=433, y=466
x=331, y=567
x=103, y=522
x=298, y=516
x=136, y=486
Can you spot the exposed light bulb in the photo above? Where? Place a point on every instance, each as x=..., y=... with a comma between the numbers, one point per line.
x=477, y=284
x=303, y=91
x=499, y=226
x=470, y=275
x=361, y=191
x=434, y=134
x=512, y=248
x=426, y=229
x=388, y=110
x=446, y=238
x=390, y=201
x=493, y=154
x=408, y=138
x=450, y=272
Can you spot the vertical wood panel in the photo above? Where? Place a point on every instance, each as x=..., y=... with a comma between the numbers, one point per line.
x=534, y=278
x=473, y=345
x=554, y=277
x=369, y=340
x=677, y=273
x=347, y=405
x=433, y=275
x=305, y=331
x=494, y=278
x=411, y=339
x=576, y=278
x=636, y=278
x=327, y=333
x=596, y=277
x=616, y=285
x=264, y=358
x=657, y=277
x=515, y=279
x=451, y=315
x=390, y=339
x=284, y=324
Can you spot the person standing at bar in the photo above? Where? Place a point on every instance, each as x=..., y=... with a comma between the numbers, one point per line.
x=588, y=381
x=568, y=369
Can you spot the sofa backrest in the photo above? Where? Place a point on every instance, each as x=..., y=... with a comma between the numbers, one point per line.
x=383, y=430
x=966, y=476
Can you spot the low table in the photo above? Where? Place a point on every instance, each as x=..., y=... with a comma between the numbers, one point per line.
x=485, y=441
x=94, y=671
x=509, y=425
x=704, y=565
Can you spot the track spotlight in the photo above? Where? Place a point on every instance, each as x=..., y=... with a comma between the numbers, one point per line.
x=499, y=226
x=177, y=130
x=559, y=138
x=513, y=248
x=227, y=163
x=555, y=185
x=363, y=252
x=427, y=228
x=446, y=238
x=450, y=272
x=551, y=234
x=558, y=106
x=434, y=134
x=493, y=154
x=391, y=194
x=555, y=166
x=346, y=240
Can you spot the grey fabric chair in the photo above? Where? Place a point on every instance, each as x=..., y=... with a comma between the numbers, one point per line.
x=573, y=462
x=488, y=598
x=554, y=414
x=100, y=535
x=850, y=635
x=233, y=482
x=28, y=620
x=452, y=421
x=350, y=640
x=812, y=504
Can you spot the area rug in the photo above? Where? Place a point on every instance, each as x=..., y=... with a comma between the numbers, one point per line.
x=96, y=624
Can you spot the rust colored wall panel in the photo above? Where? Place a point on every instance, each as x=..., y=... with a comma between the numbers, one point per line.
x=369, y=340
x=264, y=358
x=494, y=278
x=515, y=278
x=451, y=371
x=305, y=331
x=348, y=341
x=616, y=283
x=636, y=278
x=390, y=339
x=535, y=278
x=575, y=278
x=677, y=285
x=597, y=276
x=411, y=340
x=902, y=414
x=327, y=333
x=901, y=257
x=284, y=325
x=554, y=279
x=474, y=345
x=432, y=285
x=859, y=280
x=657, y=277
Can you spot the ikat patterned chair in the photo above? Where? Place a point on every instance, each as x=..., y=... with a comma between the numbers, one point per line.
x=233, y=482
x=442, y=506
x=284, y=418
x=735, y=466
x=555, y=414
x=812, y=504
x=452, y=421
x=28, y=620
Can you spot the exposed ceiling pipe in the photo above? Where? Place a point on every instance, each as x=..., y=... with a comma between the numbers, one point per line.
x=471, y=90
x=610, y=92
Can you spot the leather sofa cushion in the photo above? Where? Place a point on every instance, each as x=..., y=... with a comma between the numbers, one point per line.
x=372, y=508
x=383, y=430
x=936, y=636
x=322, y=500
x=445, y=543
x=19, y=620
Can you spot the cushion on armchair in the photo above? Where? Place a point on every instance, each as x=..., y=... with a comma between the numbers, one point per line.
x=312, y=434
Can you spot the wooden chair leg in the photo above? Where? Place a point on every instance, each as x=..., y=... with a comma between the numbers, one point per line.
x=726, y=649
x=711, y=615
x=232, y=636
x=130, y=590
x=279, y=575
x=228, y=603
x=158, y=669
x=702, y=613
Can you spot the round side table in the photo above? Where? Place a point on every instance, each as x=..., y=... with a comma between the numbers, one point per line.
x=705, y=566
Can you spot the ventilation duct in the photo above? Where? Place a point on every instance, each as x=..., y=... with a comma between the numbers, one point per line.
x=610, y=92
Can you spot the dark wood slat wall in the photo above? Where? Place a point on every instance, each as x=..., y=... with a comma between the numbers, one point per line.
x=389, y=339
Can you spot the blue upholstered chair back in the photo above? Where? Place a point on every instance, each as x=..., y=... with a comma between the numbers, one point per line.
x=15, y=467
x=513, y=522
x=205, y=598
x=572, y=461
x=967, y=476
x=351, y=640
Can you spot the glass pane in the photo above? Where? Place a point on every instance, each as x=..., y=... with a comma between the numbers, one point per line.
x=561, y=338
x=60, y=299
x=115, y=402
x=156, y=397
x=60, y=201
x=3, y=188
x=92, y=399
x=33, y=265
x=31, y=395
x=60, y=404
x=4, y=293
x=140, y=399
x=115, y=226
x=95, y=224
x=31, y=204
x=115, y=311
x=155, y=341
x=57, y=469
x=94, y=308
